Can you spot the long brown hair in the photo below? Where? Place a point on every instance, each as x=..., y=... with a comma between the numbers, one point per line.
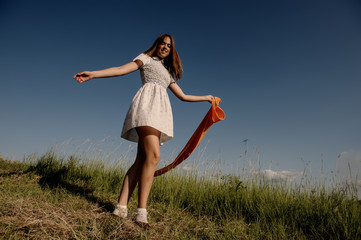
x=172, y=62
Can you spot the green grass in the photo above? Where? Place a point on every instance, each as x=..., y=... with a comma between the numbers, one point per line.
x=72, y=198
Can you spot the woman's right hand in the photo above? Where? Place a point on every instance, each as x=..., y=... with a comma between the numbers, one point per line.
x=83, y=76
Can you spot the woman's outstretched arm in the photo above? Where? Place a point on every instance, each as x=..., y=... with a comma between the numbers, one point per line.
x=109, y=72
x=177, y=91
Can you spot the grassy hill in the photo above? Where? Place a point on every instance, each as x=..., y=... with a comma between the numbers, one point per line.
x=55, y=198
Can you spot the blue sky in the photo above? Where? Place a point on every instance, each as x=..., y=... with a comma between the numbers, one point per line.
x=288, y=73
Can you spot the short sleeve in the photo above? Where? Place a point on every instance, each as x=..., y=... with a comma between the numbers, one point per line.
x=171, y=79
x=143, y=57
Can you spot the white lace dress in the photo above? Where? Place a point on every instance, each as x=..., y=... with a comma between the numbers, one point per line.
x=150, y=105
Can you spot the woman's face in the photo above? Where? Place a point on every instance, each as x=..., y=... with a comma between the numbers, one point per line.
x=164, y=48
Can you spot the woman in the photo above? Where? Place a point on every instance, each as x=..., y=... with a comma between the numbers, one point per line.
x=149, y=120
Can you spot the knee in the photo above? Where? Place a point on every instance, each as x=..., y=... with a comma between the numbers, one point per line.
x=153, y=158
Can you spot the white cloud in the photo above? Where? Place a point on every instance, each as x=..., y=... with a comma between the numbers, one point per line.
x=280, y=175
x=187, y=168
x=357, y=183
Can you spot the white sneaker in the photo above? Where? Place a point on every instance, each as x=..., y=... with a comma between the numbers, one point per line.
x=141, y=218
x=121, y=211
x=141, y=215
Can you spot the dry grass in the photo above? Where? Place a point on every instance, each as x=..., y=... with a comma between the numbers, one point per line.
x=29, y=210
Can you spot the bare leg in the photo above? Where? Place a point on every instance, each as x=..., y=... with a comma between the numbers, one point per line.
x=131, y=178
x=142, y=171
x=149, y=143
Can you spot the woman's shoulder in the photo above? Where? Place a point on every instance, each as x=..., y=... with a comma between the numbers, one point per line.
x=145, y=58
x=144, y=55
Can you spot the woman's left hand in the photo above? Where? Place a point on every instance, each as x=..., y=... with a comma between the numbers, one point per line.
x=209, y=98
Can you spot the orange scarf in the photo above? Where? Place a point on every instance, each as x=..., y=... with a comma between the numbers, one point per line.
x=214, y=115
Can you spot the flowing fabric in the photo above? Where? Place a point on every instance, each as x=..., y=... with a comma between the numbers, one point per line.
x=214, y=115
